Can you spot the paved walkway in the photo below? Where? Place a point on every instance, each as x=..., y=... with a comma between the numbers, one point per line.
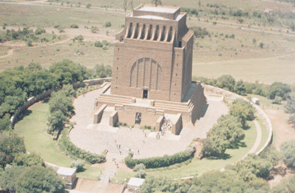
x=258, y=137
x=143, y=143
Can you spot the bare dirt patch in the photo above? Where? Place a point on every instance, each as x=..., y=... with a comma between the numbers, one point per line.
x=282, y=131
x=279, y=172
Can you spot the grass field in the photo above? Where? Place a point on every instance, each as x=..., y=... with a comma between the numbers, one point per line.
x=90, y=56
x=33, y=128
x=3, y=51
x=47, y=16
x=213, y=56
x=91, y=173
x=264, y=132
x=198, y=167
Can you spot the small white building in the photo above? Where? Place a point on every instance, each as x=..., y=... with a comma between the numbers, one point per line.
x=255, y=101
x=133, y=185
x=69, y=175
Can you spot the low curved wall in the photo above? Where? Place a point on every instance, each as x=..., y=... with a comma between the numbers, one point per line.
x=259, y=112
x=47, y=93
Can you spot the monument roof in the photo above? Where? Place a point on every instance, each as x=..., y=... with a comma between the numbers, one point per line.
x=152, y=17
x=158, y=9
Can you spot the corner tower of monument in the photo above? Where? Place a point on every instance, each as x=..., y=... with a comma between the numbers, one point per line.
x=153, y=55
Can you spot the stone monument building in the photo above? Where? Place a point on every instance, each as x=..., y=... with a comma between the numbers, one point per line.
x=152, y=71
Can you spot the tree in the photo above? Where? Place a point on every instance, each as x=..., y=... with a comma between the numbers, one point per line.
x=108, y=24
x=253, y=167
x=25, y=159
x=66, y=71
x=74, y=26
x=261, y=45
x=10, y=145
x=100, y=70
x=226, y=81
x=78, y=164
x=279, y=89
x=4, y=25
x=288, y=152
x=290, y=107
x=59, y=101
x=9, y=178
x=243, y=110
x=227, y=133
x=5, y=123
x=240, y=88
x=157, y=2
x=108, y=70
x=125, y=5
x=163, y=184
x=39, y=31
x=88, y=5
x=98, y=44
x=277, y=100
x=216, y=181
x=56, y=121
x=131, y=4
x=39, y=179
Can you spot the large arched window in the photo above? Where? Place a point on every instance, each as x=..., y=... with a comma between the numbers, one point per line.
x=146, y=73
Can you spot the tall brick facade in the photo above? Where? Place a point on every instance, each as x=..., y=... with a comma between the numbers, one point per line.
x=153, y=55
x=152, y=71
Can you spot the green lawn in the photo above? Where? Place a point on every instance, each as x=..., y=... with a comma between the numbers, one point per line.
x=33, y=128
x=198, y=167
x=91, y=173
x=264, y=132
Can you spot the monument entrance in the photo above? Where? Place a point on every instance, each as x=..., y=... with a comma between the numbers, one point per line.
x=145, y=94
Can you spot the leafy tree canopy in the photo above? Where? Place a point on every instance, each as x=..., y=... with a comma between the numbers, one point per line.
x=9, y=178
x=32, y=159
x=226, y=82
x=10, y=145
x=288, y=152
x=67, y=71
x=279, y=89
x=39, y=179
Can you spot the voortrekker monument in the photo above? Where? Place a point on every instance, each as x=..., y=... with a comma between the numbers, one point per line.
x=152, y=72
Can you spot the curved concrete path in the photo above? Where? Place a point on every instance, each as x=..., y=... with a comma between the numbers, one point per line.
x=258, y=137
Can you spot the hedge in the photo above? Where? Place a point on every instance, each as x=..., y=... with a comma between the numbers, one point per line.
x=76, y=153
x=166, y=160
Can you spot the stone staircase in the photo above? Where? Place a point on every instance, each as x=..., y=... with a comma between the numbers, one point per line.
x=111, y=100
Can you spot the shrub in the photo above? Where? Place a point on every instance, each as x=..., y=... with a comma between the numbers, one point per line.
x=74, y=152
x=30, y=43
x=79, y=38
x=98, y=44
x=39, y=31
x=108, y=24
x=74, y=26
x=78, y=164
x=139, y=167
x=5, y=24
x=156, y=162
x=88, y=5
